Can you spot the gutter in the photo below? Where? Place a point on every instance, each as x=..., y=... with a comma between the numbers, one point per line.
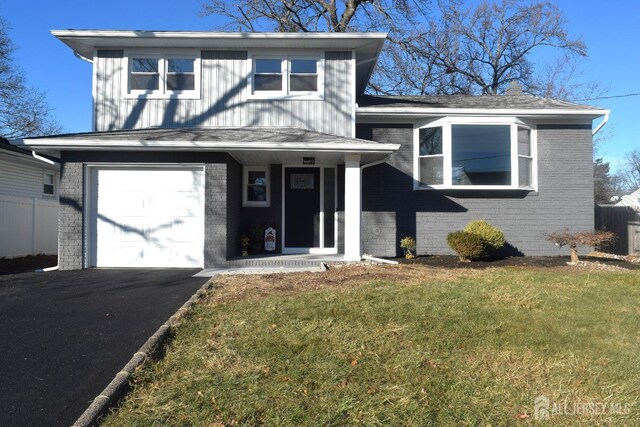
x=42, y=159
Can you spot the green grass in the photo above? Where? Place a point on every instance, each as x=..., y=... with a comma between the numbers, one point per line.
x=454, y=350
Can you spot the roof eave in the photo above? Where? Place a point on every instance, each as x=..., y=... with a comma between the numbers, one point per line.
x=98, y=145
x=522, y=112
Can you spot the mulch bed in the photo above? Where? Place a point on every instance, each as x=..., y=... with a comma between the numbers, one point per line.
x=452, y=261
x=27, y=263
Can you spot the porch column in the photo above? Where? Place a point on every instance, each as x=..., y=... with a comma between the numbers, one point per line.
x=352, y=207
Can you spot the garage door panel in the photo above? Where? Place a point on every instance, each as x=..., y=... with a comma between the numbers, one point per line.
x=149, y=217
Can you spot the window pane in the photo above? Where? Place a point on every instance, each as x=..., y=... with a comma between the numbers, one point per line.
x=304, y=66
x=179, y=65
x=302, y=83
x=180, y=82
x=524, y=142
x=481, y=155
x=48, y=179
x=430, y=141
x=144, y=65
x=257, y=193
x=268, y=66
x=329, y=207
x=257, y=177
x=263, y=82
x=48, y=189
x=144, y=81
x=524, y=171
x=431, y=170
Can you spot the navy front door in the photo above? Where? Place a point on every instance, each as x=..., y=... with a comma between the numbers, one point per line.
x=302, y=207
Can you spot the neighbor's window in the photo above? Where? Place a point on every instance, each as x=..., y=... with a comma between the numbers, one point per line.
x=469, y=155
x=163, y=76
x=49, y=188
x=256, y=189
x=287, y=76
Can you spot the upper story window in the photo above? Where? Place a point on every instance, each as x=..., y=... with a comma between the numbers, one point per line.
x=287, y=77
x=162, y=76
x=474, y=154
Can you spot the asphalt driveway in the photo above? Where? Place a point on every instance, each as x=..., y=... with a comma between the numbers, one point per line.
x=64, y=335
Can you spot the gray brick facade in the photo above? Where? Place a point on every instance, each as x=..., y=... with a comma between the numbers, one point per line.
x=70, y=222
x=392, y=210
x=215, y=214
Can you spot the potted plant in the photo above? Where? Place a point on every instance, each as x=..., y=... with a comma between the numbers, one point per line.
x=244, y=245
x=256, y=236
x=409, y=246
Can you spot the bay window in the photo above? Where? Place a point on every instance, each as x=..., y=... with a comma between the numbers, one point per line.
x=474, y=154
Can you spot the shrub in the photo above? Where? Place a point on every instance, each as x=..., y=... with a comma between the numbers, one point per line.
x=409, y=246
x=468, y=246
x=492, y=236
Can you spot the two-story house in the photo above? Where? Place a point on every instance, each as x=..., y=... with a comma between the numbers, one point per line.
x=198, y=136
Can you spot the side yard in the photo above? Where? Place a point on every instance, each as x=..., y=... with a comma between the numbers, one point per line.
x=401, y=345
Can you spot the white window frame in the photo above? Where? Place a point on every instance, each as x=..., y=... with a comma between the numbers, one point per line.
x=446, y=123
x=163, y=66
x=53, y=184
x=245, y=184
x=285, y=92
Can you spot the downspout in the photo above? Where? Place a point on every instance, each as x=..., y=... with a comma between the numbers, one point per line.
x=601, y=125
x=44, y=159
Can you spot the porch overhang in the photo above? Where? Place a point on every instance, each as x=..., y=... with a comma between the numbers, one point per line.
x=248, y=145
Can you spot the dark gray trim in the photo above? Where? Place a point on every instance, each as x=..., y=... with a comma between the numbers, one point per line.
x=110, y=53
x=223, y=54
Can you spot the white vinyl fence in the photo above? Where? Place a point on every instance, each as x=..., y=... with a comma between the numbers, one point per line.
x=28, y=226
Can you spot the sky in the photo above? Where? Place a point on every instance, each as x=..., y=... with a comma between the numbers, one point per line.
x=609, y=29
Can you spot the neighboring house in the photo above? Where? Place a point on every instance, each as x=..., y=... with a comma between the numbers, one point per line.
x=197, y=136
x=28, y=203
x=631, y=200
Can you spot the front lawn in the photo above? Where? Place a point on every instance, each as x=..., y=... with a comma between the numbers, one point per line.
x=401, y=345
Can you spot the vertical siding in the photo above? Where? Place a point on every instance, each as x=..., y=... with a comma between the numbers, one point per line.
x=392, y=210
x=331, y=115
x=223, y=100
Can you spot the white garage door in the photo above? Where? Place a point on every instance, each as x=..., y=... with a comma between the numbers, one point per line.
x=148, y=217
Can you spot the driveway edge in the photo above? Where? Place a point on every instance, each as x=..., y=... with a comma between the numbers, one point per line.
x=118, y=387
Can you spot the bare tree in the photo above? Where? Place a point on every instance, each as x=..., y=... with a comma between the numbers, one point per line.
x=629, y=173
x=312, y=15
x=451, y=48
x=23, y=110
x=605, y=184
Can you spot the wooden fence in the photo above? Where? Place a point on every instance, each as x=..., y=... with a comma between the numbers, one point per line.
x=616, y=219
